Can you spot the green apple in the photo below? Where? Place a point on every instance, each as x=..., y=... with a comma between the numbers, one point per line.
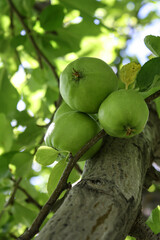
x=63, y=108
x=86, y=82
x=123, y=113
x=71, y=131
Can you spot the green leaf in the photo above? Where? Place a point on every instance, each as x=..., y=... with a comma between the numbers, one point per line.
x=8, y=94
x=23, y=163
x=153, y=44
x=31, y=136
x=55, y=175
x=51, y=17
x=149, y=75
x=74, y=176
x=4, y=161
x=154, y=220
x=18, y=40
x=157, y=102
x=28, y=4
x=4, y=43
x=4, y=219
x=6, y=134
x=2, y=201
x=46, y=155
x=23, y=214
x=88, y=7
x=24, y=7
x=23, y=118
x=130, y=238
x=51, y=95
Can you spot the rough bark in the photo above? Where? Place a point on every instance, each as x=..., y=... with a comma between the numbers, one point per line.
x=106, y=202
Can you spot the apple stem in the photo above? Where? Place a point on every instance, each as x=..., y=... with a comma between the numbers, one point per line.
x=76, y=75
x=129, y=131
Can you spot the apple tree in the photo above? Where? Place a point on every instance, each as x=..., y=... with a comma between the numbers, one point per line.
x=79, y=120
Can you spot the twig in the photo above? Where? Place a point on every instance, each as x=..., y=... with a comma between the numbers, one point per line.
x=40, y=54
x=12, y=235
x=151, y=175
x=40, y=142
x=11, y=199
x=30, y=198
x=59, y=202
x=152, y=97
x=39, y=6
x=12, y=30
x=27, y=30
x=60, y=187
x=141, y=231
x=79, y=170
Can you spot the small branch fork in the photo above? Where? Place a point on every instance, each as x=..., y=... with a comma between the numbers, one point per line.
x=29, y=197
x=60, y=187
x=11, y=199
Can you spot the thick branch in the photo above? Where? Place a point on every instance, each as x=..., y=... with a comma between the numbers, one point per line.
x=105, y=203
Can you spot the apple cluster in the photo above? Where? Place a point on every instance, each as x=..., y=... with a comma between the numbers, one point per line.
x=92, y=101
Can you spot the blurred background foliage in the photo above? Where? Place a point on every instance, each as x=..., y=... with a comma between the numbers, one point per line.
x=38, y=38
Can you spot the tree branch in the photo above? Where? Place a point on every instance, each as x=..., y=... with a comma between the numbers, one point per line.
x=11, y=199
x=39, y=6
x=28, y=31
x=106, y=202
x=60, y=187
x=152, y=97
x=30, y=199
x=40, y=54
x=141, y=231
x=12, y=235
x=12, y=31
x=79, y=170
x=152, y=175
